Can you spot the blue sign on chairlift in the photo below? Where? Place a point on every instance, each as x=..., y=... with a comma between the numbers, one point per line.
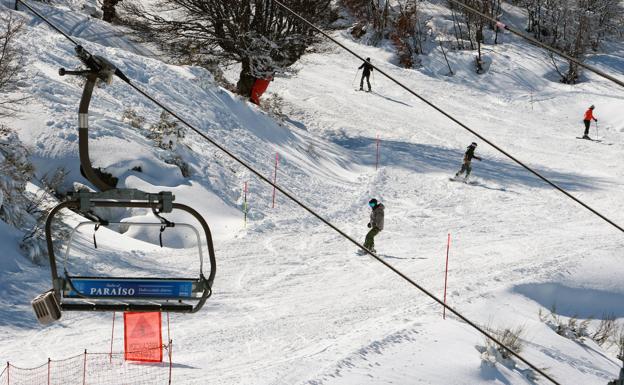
x=131, y=288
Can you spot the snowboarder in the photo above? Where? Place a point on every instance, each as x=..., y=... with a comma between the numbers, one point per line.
x=589, y=115
x=366, y=72
x=375, y=225
x=468, y=156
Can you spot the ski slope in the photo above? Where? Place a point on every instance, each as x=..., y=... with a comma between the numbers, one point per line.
x=292, y=303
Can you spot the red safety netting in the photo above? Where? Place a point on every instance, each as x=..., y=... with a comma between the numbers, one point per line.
x=90, y=369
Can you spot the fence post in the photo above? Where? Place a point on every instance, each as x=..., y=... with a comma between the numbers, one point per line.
x=49, y=370
x=16, y=1
x=8, y=373
x=112, y=338
x=170, y=360
x=84, y=369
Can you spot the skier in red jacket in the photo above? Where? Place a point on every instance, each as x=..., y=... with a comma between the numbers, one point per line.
x=589, y=115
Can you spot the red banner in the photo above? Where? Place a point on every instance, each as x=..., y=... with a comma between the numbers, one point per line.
x=143, y=337
x=258, y=89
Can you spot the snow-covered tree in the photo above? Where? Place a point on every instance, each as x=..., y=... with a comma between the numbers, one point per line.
x=11, y=61
x=258, y=34
x=573, y=26
x=166, y=132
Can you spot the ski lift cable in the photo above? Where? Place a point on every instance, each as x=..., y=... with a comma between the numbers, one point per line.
x=312, y=212
x=538, y=43
x=464, y=126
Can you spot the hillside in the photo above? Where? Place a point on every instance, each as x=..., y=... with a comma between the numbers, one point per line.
x=292, y=302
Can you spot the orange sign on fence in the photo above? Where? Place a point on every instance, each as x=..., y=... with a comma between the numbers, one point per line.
x=143, y=337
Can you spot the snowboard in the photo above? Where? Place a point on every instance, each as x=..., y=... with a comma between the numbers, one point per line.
x=462, y=180
x=362, y=252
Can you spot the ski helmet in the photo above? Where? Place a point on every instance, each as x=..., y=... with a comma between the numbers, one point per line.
x=592, y=107
x=372, y=202
x=473, y=144
x=368, y=59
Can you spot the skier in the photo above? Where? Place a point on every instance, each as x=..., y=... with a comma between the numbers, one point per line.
x=468, y=156
x=375, y=225
x=366, y=72
x=589, y=115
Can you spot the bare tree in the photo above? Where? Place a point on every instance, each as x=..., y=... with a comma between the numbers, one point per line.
x=11, y=62
x=258, y=34
x=573, y=26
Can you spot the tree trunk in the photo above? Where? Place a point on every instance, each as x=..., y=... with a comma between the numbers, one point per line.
x=246, y=80
x=108, y=10
x=579, y=49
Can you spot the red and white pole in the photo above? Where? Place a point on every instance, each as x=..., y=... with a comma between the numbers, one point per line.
x=448, y=246
x=275, y=177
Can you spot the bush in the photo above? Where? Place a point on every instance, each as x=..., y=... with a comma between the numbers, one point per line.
x=133, y=118
x=572, y=328
x=33, y=243
x=166, y=132
x=511, y=338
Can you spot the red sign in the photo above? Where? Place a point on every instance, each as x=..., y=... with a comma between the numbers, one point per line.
x=143, y=337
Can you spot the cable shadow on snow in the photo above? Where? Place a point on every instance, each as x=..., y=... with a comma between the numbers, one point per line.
x=424, y=158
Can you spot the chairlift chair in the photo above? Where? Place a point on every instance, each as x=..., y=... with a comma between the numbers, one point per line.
x=93, y=293
x=102, y=293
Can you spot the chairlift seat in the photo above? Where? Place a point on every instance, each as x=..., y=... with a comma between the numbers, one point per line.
x=73, y=292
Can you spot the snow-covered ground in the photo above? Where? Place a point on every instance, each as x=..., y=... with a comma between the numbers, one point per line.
x=292, y=303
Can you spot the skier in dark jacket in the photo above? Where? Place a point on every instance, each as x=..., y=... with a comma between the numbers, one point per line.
x=468, y=156
x=366, y=72
x=375, y=225
x=587, y=118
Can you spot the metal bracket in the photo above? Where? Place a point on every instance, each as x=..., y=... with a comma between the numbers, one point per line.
x=163, y=200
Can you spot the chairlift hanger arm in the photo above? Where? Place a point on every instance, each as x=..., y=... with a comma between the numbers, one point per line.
x=98, y=69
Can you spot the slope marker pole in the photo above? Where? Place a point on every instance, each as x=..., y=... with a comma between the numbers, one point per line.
x=448, y=246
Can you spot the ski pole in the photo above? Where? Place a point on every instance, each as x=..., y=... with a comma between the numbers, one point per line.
x=595, y=121
x=355, y=77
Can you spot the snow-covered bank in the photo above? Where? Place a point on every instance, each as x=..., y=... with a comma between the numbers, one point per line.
x=292, y=303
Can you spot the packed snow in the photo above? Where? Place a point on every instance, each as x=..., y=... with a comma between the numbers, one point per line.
x=292, y=302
